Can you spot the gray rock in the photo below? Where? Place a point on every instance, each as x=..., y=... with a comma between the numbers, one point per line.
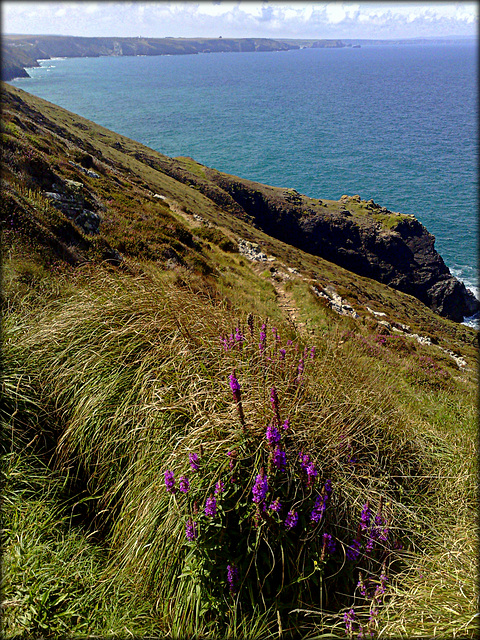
x=88, y=221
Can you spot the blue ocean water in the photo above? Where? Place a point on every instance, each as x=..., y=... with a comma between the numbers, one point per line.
x=394, y=123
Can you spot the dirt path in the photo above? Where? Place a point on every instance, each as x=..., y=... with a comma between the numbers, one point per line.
x=285, y=299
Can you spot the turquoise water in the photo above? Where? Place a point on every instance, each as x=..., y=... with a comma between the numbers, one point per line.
x=394, y=123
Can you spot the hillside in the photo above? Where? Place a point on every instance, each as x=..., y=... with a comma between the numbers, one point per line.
x=181, y=344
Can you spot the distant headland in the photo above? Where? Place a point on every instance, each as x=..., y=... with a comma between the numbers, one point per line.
x=20, y=52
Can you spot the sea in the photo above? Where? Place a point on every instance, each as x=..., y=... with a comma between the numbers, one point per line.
x=396, y=123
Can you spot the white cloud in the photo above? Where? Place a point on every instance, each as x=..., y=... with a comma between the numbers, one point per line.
x=243, y=18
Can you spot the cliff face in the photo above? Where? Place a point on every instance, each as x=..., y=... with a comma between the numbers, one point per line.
x=25, y=51
x=360, y=236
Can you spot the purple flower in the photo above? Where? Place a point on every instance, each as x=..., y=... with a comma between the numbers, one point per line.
x=219, y=488
x=275, y=506
x=274, y=398
x=234, y=384
x=291, y=519
x=312, y=473
x=328, y=488
x=286, y=424
x=300, y=367
x=304, y=460
x=366, y=516
x=263, y=338
x=239, y=336
x=184, y=484
x=318, y=508
x=191, y=530
x=383, y=535
x=211, y=507
x=361, y=585
x=329, y=543
x=348, y=619
x=235, y=387
x=170, y=481
x=273, y=435
x=289, y=343
x=260, y=488
x=371, y=540
x=232, y=577
x=353, y=550
x=193, y=457
x=282, y=353
x=380, y=590
x=279, y=458
x=378, y=531
x=312, y=353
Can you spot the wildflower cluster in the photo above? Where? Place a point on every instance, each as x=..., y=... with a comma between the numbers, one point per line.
x=265, y=503
x=233, y=340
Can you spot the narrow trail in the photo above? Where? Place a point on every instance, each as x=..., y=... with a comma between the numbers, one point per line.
x=285, y=300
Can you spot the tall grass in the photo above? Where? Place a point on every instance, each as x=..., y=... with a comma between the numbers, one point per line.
x=130, y=376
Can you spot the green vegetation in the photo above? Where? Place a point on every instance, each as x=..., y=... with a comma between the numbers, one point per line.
x=115, y=371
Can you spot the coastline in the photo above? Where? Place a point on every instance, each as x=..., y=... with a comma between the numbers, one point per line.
x=44, y=62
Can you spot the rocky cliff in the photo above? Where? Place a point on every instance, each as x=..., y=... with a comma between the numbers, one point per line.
x=359, y=235
x=19, y=52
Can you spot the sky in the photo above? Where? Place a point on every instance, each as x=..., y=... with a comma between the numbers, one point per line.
x=243, y=19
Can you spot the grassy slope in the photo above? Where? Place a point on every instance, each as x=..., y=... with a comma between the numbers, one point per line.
x=113, y=374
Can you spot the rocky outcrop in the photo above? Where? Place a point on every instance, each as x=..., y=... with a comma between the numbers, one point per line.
x=374, y=242
x=68, y=197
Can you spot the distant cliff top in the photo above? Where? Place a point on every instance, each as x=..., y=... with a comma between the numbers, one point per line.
x=22, y=51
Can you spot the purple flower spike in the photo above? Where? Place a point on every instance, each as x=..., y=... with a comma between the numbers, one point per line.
x=211, y=507
x=184, y=484
x=300, y=367
x=318, y=509
x=281, y=353
x=312, y=473
x=289, y=343
x=353, y=550
x=193, y=457
x=170, y=481
x=366, y=516
x=348, y=619
x=263, y=338
x=235, y=387
x=260, y=488
x=380, y=590
x=328, y=488
x=273, y=435
x=239, y=337
x=234, y=384
x=232, y=577
x=191, y=530
x=286, y=424
x=304, y=460
x=329, y=543
x=274, y=397
x=312, y=353
x=291, y=519
x=280, y=458
x=275, y=506
x=219, y=488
